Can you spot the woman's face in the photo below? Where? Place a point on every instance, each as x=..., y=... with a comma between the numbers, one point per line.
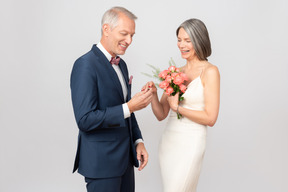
x=185, y=45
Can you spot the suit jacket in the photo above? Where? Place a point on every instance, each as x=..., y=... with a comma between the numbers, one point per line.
x=105, y=138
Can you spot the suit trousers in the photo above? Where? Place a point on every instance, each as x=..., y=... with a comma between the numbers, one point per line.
x=124, y=183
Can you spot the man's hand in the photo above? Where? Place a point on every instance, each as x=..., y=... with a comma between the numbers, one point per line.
x=140, y=100
x=150, y=85
x=142, y=155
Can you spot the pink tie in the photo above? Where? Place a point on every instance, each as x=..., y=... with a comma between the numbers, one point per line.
x=114, y=60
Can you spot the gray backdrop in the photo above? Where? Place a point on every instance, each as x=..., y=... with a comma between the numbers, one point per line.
x=40, y=40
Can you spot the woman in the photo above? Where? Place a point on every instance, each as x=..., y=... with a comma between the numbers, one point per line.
x=183, y=142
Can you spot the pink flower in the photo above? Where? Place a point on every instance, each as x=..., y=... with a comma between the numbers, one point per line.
x=163, y=84
x=173, y=75
x=172, y=68
x=168, y=79
x=184, y=76
x=130, y=80
x=178, y=80
x=163, y=74
x=169, y=90
x=182, y=88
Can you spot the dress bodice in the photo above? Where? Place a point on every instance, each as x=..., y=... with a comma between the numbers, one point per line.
x=193, y=98
x=194, y=95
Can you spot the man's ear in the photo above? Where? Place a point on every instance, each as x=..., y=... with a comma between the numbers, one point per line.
x=105, y=29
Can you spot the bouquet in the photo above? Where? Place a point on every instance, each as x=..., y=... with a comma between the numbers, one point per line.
x=172, y=81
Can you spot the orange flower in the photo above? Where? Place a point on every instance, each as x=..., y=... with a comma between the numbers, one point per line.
x=168, y=79
x=163, y=84
x=178, y=80
x=169, y=90
x=182, y=88
x=172, y=68
x=184, y=76
x=163, y=74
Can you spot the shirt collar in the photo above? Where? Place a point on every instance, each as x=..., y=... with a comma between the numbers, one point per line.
x=104, y=51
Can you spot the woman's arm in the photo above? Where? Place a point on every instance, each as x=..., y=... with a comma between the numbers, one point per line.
x=211, y=83
x=160, y=108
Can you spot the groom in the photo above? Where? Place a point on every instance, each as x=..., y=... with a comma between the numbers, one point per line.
x=110, y=142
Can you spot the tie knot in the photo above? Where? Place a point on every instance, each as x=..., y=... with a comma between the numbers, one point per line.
x=114, y=60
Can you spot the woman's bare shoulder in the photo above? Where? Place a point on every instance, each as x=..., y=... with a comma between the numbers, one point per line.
x=211, y=69
x=211, y=73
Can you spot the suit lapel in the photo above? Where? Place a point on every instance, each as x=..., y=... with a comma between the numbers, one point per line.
x=115, y=79
x=108, y=67
x=124, y=71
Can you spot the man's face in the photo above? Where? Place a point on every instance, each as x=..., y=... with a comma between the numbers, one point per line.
x=120, y=37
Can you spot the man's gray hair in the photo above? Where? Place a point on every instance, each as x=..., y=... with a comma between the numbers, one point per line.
x=111, y=16
x=199, y=37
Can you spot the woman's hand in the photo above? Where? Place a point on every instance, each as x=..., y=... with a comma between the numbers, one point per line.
x=173, y=101
x=150, y=85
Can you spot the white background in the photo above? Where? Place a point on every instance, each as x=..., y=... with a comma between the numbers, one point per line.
x=40, y=40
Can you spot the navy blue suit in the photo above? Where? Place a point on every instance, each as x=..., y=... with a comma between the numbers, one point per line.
x=106, y=139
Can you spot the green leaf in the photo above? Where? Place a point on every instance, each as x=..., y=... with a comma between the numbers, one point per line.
x=147, y=74
x=171, y=62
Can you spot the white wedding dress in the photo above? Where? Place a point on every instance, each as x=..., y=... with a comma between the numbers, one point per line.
x=182, y=146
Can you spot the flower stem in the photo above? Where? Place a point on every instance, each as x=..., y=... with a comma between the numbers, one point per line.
x=179, y=115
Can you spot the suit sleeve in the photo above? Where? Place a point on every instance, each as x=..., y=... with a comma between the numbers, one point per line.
x=136, y=130
x=84, y=91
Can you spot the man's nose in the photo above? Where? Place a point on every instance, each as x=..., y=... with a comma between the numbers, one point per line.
x=129, y=39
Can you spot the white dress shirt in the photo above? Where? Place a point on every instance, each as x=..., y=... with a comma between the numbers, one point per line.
x=117, y=69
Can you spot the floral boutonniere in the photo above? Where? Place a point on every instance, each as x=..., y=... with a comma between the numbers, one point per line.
x=130, y=80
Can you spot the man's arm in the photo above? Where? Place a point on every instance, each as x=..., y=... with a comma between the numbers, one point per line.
x=85, y=100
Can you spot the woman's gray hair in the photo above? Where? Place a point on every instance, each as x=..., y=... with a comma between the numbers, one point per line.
x=111, y=16
x=199, y=37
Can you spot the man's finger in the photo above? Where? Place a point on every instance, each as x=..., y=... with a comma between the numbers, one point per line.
x=141, y=164
x=139, y=156
x=144, y=161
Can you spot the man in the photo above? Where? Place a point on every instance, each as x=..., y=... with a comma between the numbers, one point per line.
x=110, y=141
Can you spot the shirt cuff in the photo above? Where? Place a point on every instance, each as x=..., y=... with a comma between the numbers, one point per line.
x=138, y=141
x=126, y=110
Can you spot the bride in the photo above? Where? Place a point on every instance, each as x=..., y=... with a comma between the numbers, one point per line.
x=183, y=142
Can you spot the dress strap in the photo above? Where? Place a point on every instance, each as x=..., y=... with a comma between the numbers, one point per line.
x=201, y=72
